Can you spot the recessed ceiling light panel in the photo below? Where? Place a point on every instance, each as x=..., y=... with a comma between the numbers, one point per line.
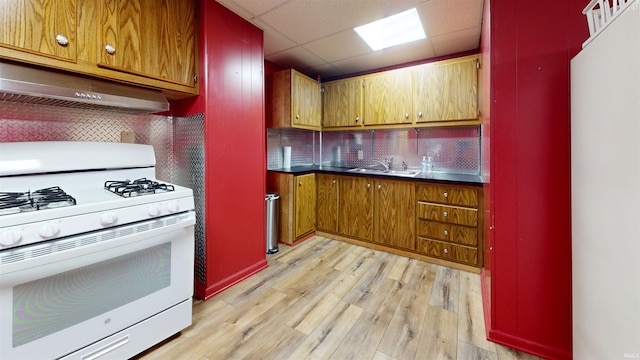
x=393, y=30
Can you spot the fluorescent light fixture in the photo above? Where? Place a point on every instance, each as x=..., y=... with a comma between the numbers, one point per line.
x=393, y=30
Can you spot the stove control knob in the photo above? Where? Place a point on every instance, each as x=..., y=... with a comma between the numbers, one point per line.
x=49, y=230
x=153, y=210
x=108, y=219
x=173, y=207
x=10, y=237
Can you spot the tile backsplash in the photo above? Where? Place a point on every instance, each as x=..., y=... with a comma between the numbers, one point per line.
x=453, y=149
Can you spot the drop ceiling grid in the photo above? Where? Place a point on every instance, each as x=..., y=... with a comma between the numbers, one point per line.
x=317, y=37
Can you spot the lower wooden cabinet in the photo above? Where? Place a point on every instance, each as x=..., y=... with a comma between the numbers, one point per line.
x=355, y=207
x=394, y=214
x=327, y=202
x=297, y=205
x=449, y=223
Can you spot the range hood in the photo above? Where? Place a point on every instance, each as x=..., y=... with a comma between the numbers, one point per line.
x=22, y=83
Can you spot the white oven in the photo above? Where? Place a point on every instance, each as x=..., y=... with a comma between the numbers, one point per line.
x=105, y=277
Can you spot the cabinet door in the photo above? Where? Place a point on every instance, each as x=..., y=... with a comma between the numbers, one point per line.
x=40, y=27
x=387, y=98
x=327, y=202
x=395, y=214
x=153, y=38
x=305, y=204
x=446, y=91
x=342, y=103
x=306, y=101
x=356, y=207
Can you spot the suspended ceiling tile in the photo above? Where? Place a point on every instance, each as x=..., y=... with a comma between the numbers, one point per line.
x=442, y=17
x=343, y=45
x=273, y=41
x=457, y=42
x=254, y=7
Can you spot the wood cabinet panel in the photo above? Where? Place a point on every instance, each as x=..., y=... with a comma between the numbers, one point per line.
x=447, y=232
x=356, y=207
x=448, y=251
x=446, y=91
x=149, y=38
x=306, y=100
x=342, y=103
x=451, y=214
x=305, y=204
x=394, y=213
x=327, y=202
x=387, y=98
x=452, y=195
x=33, y=26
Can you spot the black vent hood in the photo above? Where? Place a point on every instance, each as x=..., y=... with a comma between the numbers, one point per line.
x=22, y=83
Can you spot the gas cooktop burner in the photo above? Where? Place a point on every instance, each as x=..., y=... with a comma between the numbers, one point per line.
x=49, y=198
x=143, y=186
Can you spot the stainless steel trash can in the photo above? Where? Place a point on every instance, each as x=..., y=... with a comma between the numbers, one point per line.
x=271, y=200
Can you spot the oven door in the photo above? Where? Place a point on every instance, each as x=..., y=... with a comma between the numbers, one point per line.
x=62, y=296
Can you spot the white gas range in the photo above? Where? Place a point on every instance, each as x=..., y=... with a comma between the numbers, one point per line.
x=96, y=255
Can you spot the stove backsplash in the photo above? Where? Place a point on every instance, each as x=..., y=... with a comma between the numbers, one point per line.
x=34, y=122
x=453, y=149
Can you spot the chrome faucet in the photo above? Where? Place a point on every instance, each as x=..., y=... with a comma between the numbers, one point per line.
x=386, y=163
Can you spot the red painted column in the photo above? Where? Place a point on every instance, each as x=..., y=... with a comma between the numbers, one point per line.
x=232, y=100
x=527, y=279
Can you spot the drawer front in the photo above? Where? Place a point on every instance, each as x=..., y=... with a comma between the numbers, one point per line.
x=458, y=253
x=450, y=195
x=441, y=231
x=449, y=214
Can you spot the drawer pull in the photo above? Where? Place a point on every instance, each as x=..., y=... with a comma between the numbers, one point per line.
x=446, y=251
x=446, y=195
x=445, y=214
x=446, y=233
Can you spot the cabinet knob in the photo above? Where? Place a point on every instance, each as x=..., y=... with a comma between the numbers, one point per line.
x=334, y=181
x=62, y=40
x=357, y=118
x=379, y=187
x=446, y=233
x=419, y=114
x=444, y=213
x=445, y=195
x=446, y=251
x=110, y=49
x=297, y=116
x=300, y=183
x=368, y=186
x=406, y=115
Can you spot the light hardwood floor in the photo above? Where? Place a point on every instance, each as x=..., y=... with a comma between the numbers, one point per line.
x=326, y=299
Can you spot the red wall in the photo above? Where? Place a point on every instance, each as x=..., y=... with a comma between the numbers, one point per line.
x=529, y=267
x=232, y=100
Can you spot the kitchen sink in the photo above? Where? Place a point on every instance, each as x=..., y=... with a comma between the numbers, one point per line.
x=370, y=171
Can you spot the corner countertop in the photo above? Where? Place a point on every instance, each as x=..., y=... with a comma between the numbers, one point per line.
x=432, y=176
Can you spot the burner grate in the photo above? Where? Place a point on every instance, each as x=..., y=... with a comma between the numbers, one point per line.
x=47, y=198
x=129, y=188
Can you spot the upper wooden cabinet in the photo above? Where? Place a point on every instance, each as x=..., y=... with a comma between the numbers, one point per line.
x=293, y=100
x=342, y=103
x=154, y=38
x=446, y=90
x=387, y=98
x=151, y=43
x=46, y=28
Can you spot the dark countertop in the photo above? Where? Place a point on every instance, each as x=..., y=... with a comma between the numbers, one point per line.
x=433, y=176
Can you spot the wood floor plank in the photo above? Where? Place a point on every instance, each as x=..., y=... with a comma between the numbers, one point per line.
x=470, y=315
x=401, y=338
x=446, y=289
x=438, y=339
x=468, y=351
x=406, y=309
x=324, y=340
x=362, y=293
